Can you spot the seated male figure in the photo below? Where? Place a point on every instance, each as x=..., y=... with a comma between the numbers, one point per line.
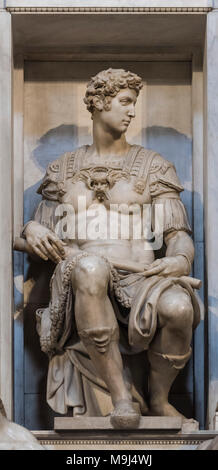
x=103, y=284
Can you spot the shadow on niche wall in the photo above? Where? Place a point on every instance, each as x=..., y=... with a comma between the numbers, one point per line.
x=177, y=148
x=54, y=143
x=51, y=145
x=174, y=146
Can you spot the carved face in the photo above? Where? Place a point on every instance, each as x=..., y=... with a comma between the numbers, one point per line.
x=100, y=184
x=117, y=118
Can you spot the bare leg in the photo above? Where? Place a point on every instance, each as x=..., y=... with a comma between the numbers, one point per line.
x=98, y=329
x=170, y=349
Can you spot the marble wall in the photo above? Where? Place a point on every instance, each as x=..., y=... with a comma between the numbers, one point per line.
x=60, y=126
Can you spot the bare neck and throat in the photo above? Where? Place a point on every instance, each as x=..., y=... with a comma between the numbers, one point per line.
x=107, y=142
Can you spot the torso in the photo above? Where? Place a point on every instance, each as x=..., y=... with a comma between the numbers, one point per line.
x=107, y=197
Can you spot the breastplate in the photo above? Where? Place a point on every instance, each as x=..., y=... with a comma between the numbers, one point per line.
x=100, y=178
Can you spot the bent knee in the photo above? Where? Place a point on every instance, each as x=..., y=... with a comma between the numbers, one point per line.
x=176, y=311
x=91, y=274
x=184, y=314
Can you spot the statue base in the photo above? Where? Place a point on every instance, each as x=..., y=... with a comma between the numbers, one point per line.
x=147, y=423
x=96, y=433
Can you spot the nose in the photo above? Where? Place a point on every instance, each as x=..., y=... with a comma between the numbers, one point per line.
x=131, y=110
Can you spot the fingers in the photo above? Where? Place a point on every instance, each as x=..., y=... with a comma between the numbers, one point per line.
x=40, y=253
x=51, y=251
x=59, y=245
x=47, y=245
x=164, y=267
x=156, y=268
x=151, y=272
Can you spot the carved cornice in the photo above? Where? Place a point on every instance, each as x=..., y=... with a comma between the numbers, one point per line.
x=104, y=442
x=103, y=10
x=52, y=438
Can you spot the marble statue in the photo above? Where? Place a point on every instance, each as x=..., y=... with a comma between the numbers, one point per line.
x=15, y=437
x=113, y=301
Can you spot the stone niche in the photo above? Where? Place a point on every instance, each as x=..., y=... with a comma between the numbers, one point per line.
x=55, y=51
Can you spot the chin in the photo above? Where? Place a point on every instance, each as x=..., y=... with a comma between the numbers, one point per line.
x=124, y=129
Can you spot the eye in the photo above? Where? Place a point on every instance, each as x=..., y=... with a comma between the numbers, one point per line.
x=124, y=102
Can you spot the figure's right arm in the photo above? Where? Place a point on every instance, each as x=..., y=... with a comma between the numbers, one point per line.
x=43, y=242
x=39, y=233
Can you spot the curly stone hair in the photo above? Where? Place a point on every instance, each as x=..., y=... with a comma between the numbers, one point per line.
x=108, y=83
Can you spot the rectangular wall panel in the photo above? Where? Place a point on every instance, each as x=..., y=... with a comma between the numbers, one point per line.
x=55, y=121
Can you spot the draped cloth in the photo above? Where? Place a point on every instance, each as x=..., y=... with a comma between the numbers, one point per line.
x=71, y=374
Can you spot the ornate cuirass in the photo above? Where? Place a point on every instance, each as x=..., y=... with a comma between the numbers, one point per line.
x=100, y=178
x=99, y=175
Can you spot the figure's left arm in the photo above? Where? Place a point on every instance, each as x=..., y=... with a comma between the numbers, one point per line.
x=165, y=189
x=179, y=252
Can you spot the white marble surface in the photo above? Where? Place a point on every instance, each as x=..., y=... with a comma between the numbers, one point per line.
x=198, y=229
x=111, y=3
x=211, y=203
x=121, y=447
x=15, y=437
x=211, y=170
x=6, y=292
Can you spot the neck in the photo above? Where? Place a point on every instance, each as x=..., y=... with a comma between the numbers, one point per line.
x=106, y=143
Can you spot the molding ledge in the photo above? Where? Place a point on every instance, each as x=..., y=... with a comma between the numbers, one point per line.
x=135, y=438
x=106, y=442
x=112, y=53
x=103, y=10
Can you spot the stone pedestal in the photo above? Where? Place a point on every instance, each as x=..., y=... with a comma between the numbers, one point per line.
x=208, y=200
x=103, y=424
x=148, y=424
x=122, y=440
